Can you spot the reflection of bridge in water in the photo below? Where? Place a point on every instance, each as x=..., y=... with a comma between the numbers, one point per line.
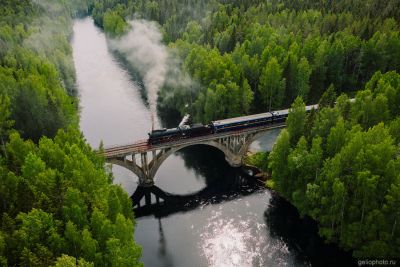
x=152, y=200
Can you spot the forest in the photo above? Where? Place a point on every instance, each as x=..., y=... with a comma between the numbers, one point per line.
x=341, y=166
x=58, y=205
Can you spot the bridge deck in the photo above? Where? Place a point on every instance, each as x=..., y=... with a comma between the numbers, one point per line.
x=143, y=146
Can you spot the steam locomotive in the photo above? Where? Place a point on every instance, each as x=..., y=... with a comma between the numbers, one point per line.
x=187, y=130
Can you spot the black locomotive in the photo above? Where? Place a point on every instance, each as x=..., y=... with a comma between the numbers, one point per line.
x=168, y=135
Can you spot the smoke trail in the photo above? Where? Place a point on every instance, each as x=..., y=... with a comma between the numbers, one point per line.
x=143, y=49
x=49, y=37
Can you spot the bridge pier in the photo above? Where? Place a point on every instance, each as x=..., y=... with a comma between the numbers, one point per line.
x=235, y=161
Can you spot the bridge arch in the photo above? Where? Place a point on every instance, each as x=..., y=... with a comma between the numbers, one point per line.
x=234, y=148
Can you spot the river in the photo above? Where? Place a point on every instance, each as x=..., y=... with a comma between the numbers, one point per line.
x=227, y=219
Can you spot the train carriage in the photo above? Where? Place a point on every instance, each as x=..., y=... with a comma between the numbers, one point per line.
x=242, y=122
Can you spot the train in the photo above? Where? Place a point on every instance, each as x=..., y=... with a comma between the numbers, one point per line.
x=188, y=130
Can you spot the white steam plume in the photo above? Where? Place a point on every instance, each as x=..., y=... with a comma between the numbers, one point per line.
x=144, y=49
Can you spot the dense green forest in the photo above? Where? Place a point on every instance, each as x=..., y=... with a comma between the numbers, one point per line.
x=339, y=165
x=36, y=68
x=57, y=203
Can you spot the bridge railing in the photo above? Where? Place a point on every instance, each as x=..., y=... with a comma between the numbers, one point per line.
x=122, y=145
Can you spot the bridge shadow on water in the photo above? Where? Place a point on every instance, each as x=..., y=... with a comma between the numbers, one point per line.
x=155, y=201
x=222, y=183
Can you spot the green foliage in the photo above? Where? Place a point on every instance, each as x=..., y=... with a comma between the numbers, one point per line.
x=68, y=261
x=369, y=110
x=227, y=95
x=345, y=174
x=113, y=23
x=36, y=68
x=51, y=191
x=336, y=138
x=328, y=97
x=5, y=122
x=259, y=160
x=303, y=73
x=193, y=33
x=272, y=85
x=278, y=160
x=59, y=201
x=111, y=15
x=296, y=120
x=325, y=120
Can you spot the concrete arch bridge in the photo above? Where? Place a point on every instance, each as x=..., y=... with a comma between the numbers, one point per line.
x=144, y=159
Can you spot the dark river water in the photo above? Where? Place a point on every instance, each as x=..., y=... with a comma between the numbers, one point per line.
x=219, y=215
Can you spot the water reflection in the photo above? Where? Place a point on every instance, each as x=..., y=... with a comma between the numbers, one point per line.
x=225, y=242
x=265, y=142
x=229, y=240
x=109, y=99
x=224, y=223
x=159, y=203
x=223, y=231
x=246, y=228
x=163, y=250
x=284, y=222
